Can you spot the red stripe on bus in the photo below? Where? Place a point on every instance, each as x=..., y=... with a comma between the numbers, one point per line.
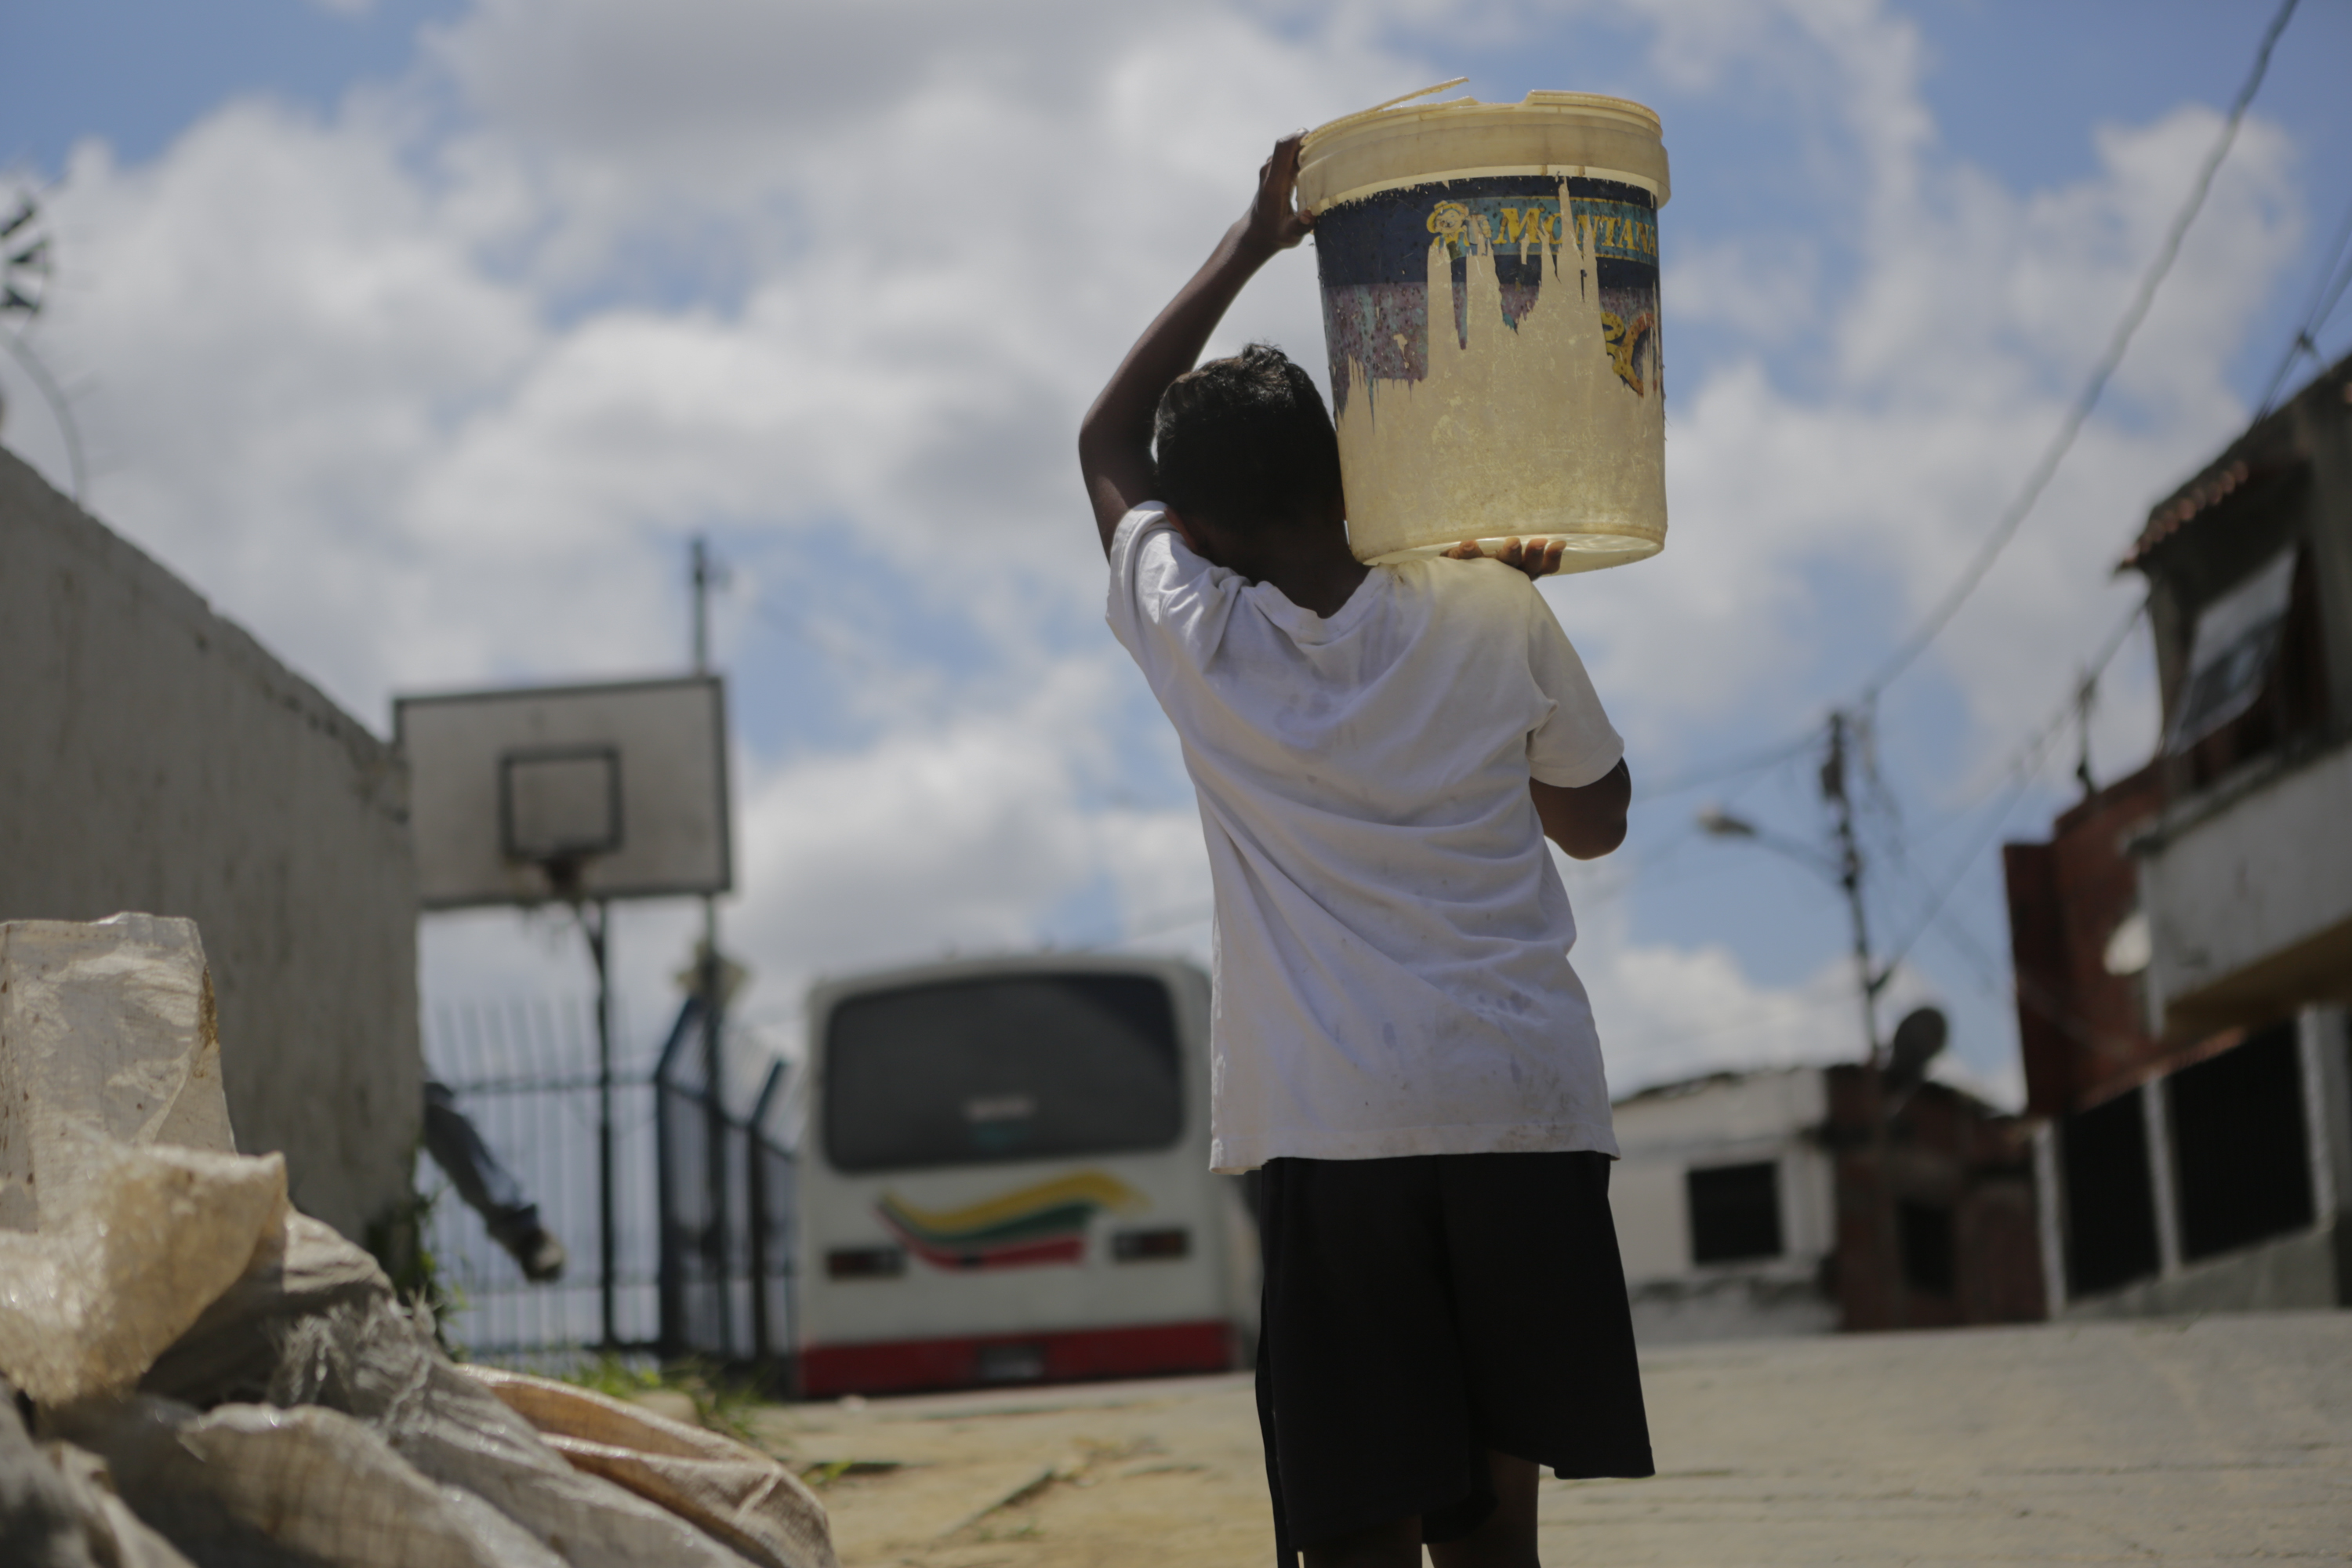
x=899, y=1366
x=1060, y=1249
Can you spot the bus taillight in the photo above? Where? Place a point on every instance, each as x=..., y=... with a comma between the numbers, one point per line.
x=1142, y=1246
x=864, y=1263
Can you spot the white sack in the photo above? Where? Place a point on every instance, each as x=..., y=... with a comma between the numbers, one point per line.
x=106, y=1032
x=311, y=1486
x=157, y=1234
x=373, y=1362
x=735, y=1493
x=232, y=1353
x=58, y=1508
x=118, y=1537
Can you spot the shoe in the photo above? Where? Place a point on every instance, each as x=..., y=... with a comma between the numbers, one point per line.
x=542, y=1258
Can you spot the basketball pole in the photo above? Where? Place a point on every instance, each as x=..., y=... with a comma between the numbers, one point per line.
x=714, y=1064
x=605, y=1247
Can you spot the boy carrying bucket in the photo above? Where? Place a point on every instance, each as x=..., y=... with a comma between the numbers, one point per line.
x=1398, y=1038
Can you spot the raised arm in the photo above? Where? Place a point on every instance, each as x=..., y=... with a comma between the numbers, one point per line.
x=1115, y=438
x=1587, y=823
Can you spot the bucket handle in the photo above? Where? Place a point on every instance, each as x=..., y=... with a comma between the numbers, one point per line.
x=1322, y=130
x=1425, y=92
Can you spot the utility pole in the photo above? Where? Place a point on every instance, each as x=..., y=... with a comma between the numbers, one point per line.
x=1834, y=790
x=714, y=1060
x=2086, y=695
x=702, y=577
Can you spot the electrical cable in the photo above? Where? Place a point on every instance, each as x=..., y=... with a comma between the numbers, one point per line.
x=2026, y=762
x=1788, y=1010
x=1161, y=925
x=1715, y=772
x=2076, y=416
x=2036, y=746
x=2043, y=471
x=1985, y=970
x=2334, y=296
x=60, y=409
x=2327, y=290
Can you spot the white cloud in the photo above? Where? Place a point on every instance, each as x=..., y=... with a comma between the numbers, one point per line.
x=428, y=400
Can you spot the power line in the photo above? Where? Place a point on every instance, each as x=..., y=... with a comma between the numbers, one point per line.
x=2047, y=468
x=1159, y=925
x=2035, y=748
x=1787, y=1009
x=55, y=396
x=1715, y=772
x=2025, y=762
x=2011, y=519
x=2327, y=290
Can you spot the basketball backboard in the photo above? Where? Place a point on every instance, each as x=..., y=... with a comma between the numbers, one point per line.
x=568, y=791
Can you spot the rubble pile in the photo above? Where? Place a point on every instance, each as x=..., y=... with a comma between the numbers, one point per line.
x=193, y=1374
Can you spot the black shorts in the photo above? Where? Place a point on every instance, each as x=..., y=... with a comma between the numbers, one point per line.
x=1419, y=1311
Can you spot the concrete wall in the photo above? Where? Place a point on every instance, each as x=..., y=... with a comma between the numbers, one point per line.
x=1729, y=1120
x=2310, y=1267
x=2299, y=1273
x=154, y=757
x=2249, y=894
x=2246, y=875
x=2083, y=1029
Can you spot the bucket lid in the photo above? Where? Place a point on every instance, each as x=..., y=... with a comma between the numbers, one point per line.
x=1402, y=143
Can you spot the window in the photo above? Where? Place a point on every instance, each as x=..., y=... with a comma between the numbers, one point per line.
x=1923, y=1232
x=1027, y=1066
x=2230, y=654
x=2256, y=672
x=1734, y=1212
x=2110, y=1200
x=2241, y=1152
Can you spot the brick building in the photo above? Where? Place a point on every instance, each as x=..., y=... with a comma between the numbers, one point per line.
x=2183, y=941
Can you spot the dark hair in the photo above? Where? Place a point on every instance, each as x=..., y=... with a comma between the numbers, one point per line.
x=1245, y=442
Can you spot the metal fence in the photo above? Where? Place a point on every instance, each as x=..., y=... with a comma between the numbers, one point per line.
x=725, y=1194
x=702, y=1192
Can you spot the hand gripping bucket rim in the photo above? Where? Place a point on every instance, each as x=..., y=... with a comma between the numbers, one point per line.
x=1586, y=143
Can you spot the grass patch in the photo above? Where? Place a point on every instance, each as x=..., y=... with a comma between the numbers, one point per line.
x=722, y=1405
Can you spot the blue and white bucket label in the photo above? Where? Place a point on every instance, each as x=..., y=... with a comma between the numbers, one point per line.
x=1374, y=253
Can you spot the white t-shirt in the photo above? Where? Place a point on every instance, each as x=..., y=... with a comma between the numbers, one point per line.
x=1392, y=939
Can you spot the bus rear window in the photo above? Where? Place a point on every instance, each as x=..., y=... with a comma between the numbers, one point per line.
x=1024, y=1068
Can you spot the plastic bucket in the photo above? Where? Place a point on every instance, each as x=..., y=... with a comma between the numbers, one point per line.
x=1490, y=305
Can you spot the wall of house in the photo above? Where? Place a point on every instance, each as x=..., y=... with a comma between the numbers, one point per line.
x=154, y=757
x=1965, y=1247
x=2287, y=480
x=2203, y=1167
x=2218, y=1185
x=2250, y=899
x=1711, y=1124
x=2083, y=1028
x=2244, y=870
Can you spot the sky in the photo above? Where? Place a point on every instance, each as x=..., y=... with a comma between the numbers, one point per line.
x=420, y=336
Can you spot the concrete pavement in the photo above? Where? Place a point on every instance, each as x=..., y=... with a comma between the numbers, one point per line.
x=2213, y=1440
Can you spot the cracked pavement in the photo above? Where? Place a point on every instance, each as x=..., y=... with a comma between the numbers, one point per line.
x=2210, y=1440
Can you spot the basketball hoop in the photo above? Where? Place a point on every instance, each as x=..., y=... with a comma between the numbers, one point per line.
x=577, y=795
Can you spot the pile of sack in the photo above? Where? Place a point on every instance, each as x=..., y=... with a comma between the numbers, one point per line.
x=194, y=1375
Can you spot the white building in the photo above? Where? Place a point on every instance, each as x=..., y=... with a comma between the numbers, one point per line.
x=1753, y=1205
x=1726, y=1207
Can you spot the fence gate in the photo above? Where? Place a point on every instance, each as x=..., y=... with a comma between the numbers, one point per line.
x=702, y=1193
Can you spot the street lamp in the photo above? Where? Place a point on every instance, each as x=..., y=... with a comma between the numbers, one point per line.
x=1718, y=822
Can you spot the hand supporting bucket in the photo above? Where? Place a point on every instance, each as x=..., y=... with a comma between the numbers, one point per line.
x=1490, y=305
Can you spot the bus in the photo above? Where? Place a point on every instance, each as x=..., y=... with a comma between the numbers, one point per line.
x=1004, y=1178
